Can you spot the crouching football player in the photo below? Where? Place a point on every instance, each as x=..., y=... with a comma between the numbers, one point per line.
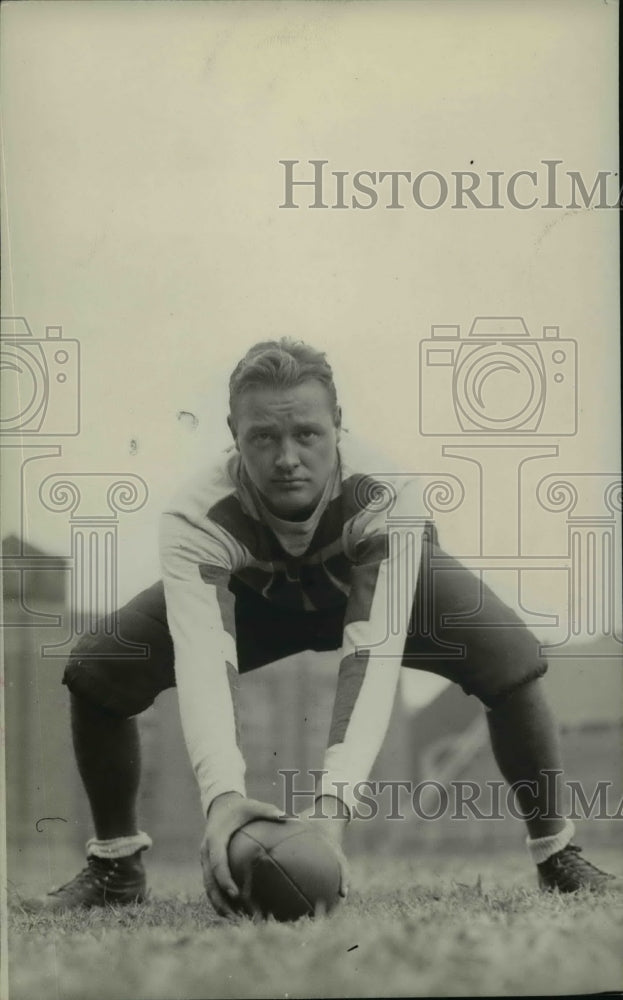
x=279, y=547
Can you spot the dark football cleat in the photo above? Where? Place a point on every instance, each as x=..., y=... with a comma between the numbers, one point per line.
x=104, y=882
x=567, y=871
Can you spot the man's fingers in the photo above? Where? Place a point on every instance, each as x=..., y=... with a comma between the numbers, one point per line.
x=222, y=875
x=250, y=908
x=219, y=901
x=214, y=892
x=264, y=810
x=344, y=883
x=344, y=874
x=229, y=816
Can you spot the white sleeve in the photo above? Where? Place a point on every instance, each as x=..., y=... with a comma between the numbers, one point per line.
x=383, y=583
x=196, y=567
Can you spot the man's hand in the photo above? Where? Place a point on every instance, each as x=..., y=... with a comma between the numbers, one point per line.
x=227, y=813
x=328, y=818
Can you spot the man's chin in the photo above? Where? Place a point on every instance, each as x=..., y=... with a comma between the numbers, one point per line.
x=291, y=507
x=294, y=513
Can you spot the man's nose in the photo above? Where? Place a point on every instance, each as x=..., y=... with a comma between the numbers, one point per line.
x=288, y=456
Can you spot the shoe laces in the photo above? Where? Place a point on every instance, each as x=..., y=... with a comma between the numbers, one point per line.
x=98, y=870
x=569, y=859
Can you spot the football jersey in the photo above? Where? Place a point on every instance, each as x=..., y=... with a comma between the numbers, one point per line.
x=358, y=551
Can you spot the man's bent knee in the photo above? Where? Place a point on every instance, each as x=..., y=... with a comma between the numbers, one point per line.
x=98, y=682
x=121, y=685
x=521, y=681
x=100, y=669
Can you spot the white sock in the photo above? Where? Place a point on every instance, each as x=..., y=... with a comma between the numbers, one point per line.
x=542, y=848
x=118, y=847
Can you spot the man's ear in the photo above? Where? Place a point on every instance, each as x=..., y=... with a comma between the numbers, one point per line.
x=232, y=428
x=338, y=421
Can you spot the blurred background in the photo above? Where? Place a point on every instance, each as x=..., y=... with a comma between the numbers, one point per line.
x=145, y=251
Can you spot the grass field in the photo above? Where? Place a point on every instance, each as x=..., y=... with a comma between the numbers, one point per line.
x=440, y=927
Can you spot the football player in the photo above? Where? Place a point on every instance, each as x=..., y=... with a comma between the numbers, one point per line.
x=284, y=544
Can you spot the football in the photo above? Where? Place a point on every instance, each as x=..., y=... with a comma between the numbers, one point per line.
x=284, y=869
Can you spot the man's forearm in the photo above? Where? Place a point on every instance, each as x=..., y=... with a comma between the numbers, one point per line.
x=370, y=666
x=206, y=678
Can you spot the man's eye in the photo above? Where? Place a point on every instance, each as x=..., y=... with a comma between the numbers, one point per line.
x=306, y=435
x=263, y=436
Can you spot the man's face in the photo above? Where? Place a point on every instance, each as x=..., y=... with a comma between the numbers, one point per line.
x=287, y=439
